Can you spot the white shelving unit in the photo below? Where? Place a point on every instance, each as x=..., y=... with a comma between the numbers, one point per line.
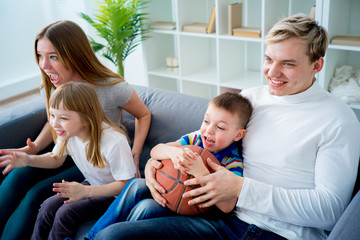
x=212, y=63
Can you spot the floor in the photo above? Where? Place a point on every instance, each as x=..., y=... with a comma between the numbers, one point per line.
x=17, y=100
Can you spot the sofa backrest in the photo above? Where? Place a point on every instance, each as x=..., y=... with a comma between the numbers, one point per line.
x=173, y=115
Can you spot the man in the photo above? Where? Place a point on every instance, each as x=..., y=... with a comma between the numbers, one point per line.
x=301, y=154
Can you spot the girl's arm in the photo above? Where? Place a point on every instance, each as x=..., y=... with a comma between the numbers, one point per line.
x=76, y=191
x=15, y=159
x=138, y=109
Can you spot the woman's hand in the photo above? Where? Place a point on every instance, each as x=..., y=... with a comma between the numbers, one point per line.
x=74, y=191
x=154, y=187
x=222, y=185
x=12, y=159
x=136, y=157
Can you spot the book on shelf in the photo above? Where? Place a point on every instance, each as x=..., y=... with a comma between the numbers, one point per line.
x=234, y=16
x=346, y=40
x=196, y=27
x=163, y=25
x=247, y=32
x=211, y=25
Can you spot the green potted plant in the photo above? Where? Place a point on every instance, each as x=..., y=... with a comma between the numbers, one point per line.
x=120, y=23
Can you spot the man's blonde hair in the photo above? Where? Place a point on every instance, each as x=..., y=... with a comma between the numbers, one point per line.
x=304, y=27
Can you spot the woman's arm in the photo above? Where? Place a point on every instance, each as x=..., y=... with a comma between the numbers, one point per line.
x=138, y=109
x=77, y=191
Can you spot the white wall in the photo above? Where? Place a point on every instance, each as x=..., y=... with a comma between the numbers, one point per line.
x=20, y=20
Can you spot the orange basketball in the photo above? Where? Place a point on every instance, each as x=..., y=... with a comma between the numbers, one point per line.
x=173, y=182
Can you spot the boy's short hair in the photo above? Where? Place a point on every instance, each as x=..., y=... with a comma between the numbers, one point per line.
x=304, y=27
x=235, y=104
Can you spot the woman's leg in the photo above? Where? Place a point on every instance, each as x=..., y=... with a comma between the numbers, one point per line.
x=24, y=216
x=14, y=188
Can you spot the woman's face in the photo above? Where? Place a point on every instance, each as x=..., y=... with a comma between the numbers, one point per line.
x=52, y=66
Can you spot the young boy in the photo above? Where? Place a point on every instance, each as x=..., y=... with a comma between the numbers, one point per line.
x=223, y=126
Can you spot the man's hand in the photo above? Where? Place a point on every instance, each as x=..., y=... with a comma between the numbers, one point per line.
x=222, y=185
x=154, y=187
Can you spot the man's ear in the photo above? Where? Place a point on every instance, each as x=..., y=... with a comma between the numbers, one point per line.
x=318, y=65
x=240, y=134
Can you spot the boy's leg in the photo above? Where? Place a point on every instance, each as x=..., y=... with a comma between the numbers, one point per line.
x=123, y=208
x=212, y=226
x=24, y=216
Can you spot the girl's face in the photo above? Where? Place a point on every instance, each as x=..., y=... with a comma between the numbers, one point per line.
x=219, y=129
x=67, y=124
x=51, y=65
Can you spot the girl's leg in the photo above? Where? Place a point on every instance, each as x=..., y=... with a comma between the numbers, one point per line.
x=45, y=217
x=70, y=216
x=24, y=216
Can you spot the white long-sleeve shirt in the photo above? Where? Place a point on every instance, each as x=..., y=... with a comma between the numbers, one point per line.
x=301, y=155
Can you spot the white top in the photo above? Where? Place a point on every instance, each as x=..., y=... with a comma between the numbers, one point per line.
x=115, y=150
x=301, y=156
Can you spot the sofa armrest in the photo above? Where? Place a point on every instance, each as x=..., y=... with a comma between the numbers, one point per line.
x=22, y=122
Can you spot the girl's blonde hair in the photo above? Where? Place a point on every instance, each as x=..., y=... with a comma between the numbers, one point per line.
x=74, y=52
x=304, y=27
x=81, y=97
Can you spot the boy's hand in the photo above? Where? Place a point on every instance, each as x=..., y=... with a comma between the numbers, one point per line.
x=73, y=190
x=197, y=167
x=12, y=159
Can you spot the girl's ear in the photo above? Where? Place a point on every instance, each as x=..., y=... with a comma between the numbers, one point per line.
x=240, y=134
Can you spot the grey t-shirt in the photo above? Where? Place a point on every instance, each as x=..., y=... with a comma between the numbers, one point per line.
x=111, y=98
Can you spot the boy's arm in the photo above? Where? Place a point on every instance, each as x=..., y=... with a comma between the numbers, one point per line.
x=173, y=151
x=198, y=169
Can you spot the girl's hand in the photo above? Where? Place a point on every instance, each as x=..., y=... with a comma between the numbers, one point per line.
x=73, y=190
x=154, y=187
x=12, y=159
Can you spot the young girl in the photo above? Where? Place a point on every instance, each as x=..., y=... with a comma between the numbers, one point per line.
x=99, y=148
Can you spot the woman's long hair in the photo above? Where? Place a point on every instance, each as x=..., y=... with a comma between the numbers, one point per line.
x=74, y=52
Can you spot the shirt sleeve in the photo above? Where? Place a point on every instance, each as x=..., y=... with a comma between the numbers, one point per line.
x=318, y=207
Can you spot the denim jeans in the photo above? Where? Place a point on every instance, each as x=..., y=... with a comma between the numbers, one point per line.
x=134, y=203
x=213, y=225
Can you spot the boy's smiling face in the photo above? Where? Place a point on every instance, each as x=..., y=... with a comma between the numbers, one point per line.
x=219, y=129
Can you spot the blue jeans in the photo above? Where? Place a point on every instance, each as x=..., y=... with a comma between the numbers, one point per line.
x=134, y=203
x=22, y=192
x=213, y=225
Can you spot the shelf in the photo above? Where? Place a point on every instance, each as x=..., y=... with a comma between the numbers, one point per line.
x=212, y=63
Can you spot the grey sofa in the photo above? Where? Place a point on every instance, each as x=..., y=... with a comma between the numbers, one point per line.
x=173, y=115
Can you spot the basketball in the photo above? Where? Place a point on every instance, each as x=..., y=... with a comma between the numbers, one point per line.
x=173, y=182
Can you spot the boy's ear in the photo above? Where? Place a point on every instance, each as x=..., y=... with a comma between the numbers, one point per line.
x=240, y=134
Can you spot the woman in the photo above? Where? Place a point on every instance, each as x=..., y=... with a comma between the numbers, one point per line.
x=64, y=54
